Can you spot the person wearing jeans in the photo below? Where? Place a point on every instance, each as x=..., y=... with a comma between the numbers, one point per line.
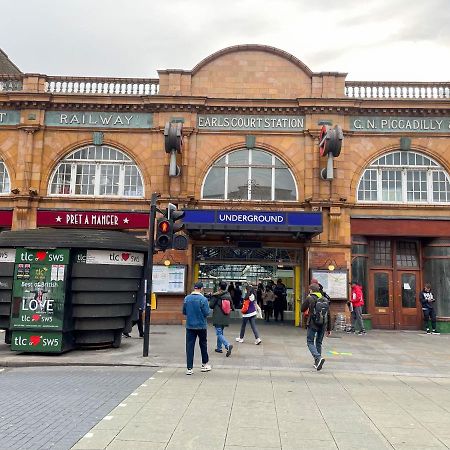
x=357, y=300
x=316, y=332
x=428, y=302
x=249, y=316
x=221, y=320
x=196, y=310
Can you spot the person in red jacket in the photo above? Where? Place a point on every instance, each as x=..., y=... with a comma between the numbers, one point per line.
x=357, y=301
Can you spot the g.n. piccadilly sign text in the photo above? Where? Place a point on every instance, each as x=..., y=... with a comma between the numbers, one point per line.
x=249, y=123
x=395, y=124
x=98, y=119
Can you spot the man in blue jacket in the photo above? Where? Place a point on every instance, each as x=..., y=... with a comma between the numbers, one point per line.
x=196, y=310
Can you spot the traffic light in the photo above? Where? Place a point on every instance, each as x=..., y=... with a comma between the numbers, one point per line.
x=179, y=241
x=164, y=234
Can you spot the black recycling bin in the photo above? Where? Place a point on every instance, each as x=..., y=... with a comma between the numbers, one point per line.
x=62, y=289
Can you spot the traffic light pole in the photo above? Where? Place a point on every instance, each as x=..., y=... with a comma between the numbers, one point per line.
x=149, y=272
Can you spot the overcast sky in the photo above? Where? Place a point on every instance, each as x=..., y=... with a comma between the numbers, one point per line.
x=403, y=40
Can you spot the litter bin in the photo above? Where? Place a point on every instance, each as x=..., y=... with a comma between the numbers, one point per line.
x=68, y=288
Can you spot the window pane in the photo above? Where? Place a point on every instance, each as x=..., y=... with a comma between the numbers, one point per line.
x=381, y=289
x=239, y=157
x=109, y=179
x=261, y=184
x=407, y=254
x=380, y=253
x=61, y=180
x=4, y=179
x=284, y=185
x=368, y=186
x=261, y=158
x=214, y=186
x=132, y=182
x=408, y=290
x=391, y=185
x=238, y=183
x=441, y=187
x=85, y=179
x=416, y=186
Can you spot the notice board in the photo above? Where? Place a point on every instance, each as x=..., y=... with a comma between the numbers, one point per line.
x=335, y=283
x=169, y=279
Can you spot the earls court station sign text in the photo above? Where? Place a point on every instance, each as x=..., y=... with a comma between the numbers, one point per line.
x=225, y=122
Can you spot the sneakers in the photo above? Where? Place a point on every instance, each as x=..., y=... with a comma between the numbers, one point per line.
x=435, y=332
x=318, y=364
x=239, y=339
x=362, y=332
x=126, y=334
x=189, y=372
x=218, y=350
x=206, y=368
x=230, y=348
x=258, y=341
x=428, y=331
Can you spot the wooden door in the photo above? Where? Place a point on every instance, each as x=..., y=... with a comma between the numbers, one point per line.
x=407, y=312
x=381, y=305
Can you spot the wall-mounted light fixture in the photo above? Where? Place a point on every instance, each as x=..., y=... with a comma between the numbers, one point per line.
x=330, y=264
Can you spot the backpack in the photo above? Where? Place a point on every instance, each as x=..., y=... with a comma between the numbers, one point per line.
x=225, y=306
x=320, y=312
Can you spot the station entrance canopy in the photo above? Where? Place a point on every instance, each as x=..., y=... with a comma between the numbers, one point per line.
x=301, y=225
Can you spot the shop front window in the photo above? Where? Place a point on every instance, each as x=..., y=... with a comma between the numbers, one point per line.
x=97, y=171
x=249, y=174
x=5, y=187
x=404, y=177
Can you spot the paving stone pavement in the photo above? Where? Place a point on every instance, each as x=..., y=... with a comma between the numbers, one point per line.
x=284, y=409
x=53, y=407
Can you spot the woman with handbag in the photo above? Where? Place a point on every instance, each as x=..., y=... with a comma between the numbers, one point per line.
x=249, y=315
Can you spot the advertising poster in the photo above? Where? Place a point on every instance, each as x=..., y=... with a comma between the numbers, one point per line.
x=39, y=289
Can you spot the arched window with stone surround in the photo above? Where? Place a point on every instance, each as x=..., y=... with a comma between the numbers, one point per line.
x=101, y=171
x=5, y=185
x=249, y=174
x=404, y=177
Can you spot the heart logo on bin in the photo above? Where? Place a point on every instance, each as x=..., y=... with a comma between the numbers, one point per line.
x=40, y=256
x=35, y=318
x=125, y=256
x=34, y=340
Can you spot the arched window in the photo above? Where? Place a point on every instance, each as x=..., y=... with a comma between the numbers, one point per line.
x=404, y=177
x=5, y=187
x=97, y=171
x=249, y=174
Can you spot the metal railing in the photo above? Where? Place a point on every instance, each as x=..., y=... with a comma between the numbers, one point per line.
x=382, y=90
x=102, y=86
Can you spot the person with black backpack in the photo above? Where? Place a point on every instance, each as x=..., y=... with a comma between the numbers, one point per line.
x=222, y=305
x=318, y=322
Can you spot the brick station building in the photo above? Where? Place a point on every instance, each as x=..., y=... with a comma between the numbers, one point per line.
x=88, y=152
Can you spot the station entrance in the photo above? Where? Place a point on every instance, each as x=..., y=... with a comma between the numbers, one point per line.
x=243, y=265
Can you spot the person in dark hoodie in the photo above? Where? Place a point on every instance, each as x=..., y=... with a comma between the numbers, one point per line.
x=428, y=301
x=318, y=322
x=220, y=319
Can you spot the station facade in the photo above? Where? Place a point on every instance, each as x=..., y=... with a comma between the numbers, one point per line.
x=80, y=152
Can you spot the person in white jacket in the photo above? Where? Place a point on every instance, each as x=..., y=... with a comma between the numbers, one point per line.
x=249, y=315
